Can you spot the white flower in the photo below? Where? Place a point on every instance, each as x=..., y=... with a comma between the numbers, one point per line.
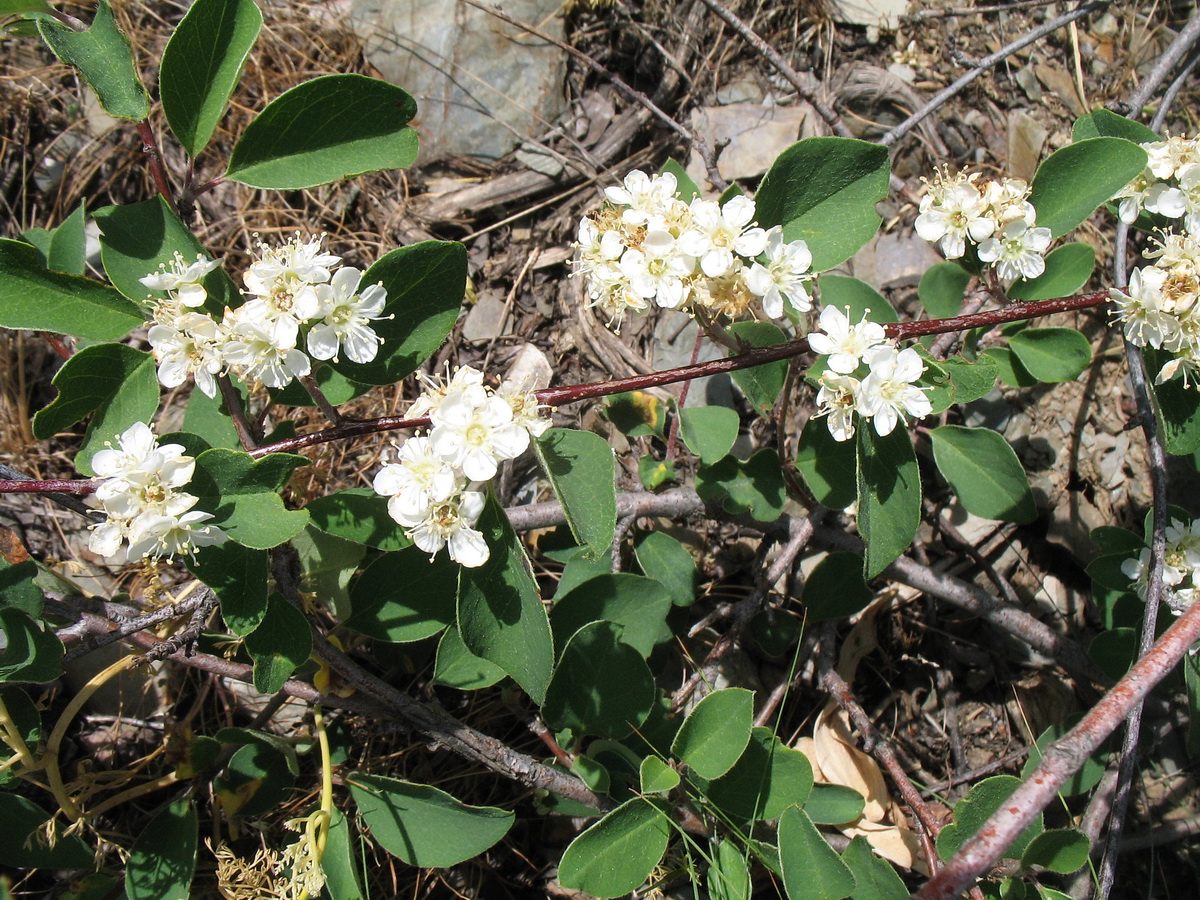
x=718, y=232
x=163, y=535
x=192, y=345
x=344, y=315
x=474, y=431
x=182, y=279
x=1165, y=200
x=418, y=480
x=140, y=460
x=843, y=343
x=452, y=523
x=838, y=399
x=1139, y=307
x=298, y=262
x=1017, y=252
x=1007, y=200
x=1181, y=559
x=951, y=212
x=645, y=196
x=783, y=277
x=435, y=392
x=656, y=270
x=889, y=391
x=266, y=351
x=527, y=412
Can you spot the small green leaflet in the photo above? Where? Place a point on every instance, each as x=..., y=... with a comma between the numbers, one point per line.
x=582, y=471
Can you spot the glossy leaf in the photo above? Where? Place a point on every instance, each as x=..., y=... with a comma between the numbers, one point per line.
x=405, y=596
x=955, y=380
x=582, y=471
x=422, y=825
x=976, y=808
x=340, y=862
x=656, y=777
x=761, y=384
x=500, y=616
x=828, y=465
x=835, y=589
x=709, y=431
x=639, y=605
x=425, y=285
x=458, y=667
x=1102, y=123
x=668, y=562
x=1008, y=367
x=616, y=855
x=874, y=877
x=862, y=299
x=1068, y=269
x=985, y=473
x=823, y=191
x=255, y=782
x=40, y=300
x=1052, y=354
x=1073, y=181
x=163, y=859
x=942, y=288
x=584, y=695
x=1178, y=408
x=104, y=59
x=729, y=876
x=29, y=654
x=279, y=645
x=767, y=778
x=238, y=576
x=23, y=843
x=326, y=129
x=834, y=804
x=327, y=564
x=754, y=486
x=202, y=64
x=889, y=496
x=812, y=870
x=716, y=732
x=116, y=384
x=68, y=244
x=360, y=515
x=243, y=495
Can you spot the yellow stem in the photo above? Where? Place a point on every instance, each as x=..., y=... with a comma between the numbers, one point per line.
x=133, y=792
x=317, y=830
x=12, y=737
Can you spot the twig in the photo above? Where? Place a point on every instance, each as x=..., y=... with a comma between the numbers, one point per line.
x=233, y=405
x=923, y=14
x=955, y=537
x=1163, y=66
x=199, y=600
x=154, y=159
x=1168, y=100
x=988, y=62
x=314, y=390
x=62, y=497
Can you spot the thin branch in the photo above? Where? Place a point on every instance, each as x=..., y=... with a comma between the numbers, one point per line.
x=314, y=390
x=1164, y=65
x=233, y=405
x=125, y=627
x=154, y=159
x=923, y=14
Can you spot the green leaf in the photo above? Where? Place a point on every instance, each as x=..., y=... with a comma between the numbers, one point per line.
x=1178, y=407
x=656, y=777
x=17, y=587
x=425, y=285
x=23, y=841
x=1083, y=780
x=811, y=868
x=862, y=299
x=729, y=876
x=583, y=694
x=687, y=189
x=1111, y=539
x=256, y=781
x=136, y=239
x=360, y=515
x=636, y=414
x=668, y=562
x=40, y=300
x=116, y=383
x=336, y=387
x=823, y=190
x=942, y=288
x=238, y=576
x=422, y=825
x=68, y=244
x=1068, y=269
x=767, y=778
x=874, y=877
x=582, y=471
x=827, y=464
x=834, y=804
x=24, y=8
x=709, y=431
x=405, y=596
x=755, y=486
x=1102, y=123
x=615, y=855
x=29, y=655
x=578, y=568
x=208, y=416
x=889, y=496
x=977, y=807
x=955, y=380
x=1052, y=354
x=985, y=473
x=1072, y=182
x=340, y=862
x=243, y=736
x=761, y=384
x=654, y=473
x=1008, y=367
x=279, y=645
x=326, y=129
x=327, y=564
x=104, y=59
x=716, y=732
x=243, y=495
x=500, y=616
x=836, y=588
x=639, y=605
x=202, y=64
x=163, y=859
x=1114, y=651
x=458, y=667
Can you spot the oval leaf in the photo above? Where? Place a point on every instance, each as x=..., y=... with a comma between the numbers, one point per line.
x=582, y=471
x=585, y=696
x=1061, y=850
x=836, y=588
x=1068, y=269
x=243, y=494
x=985, y=473
x=639, y=605
x=874, y=877
x=709, y=431
x=404, y=596
x=834, y=804
x=729, y=876
x=716, y=732
x=656, y=776
x=889, y=496
x=942, y=288
x=761, y=384
x=163, y=859
x=767, y=779
x=971, y=812
x=279, y=645
x=359, y=515
x=827, y=464
x=1102, y=123
x=329, y=128
x=1072, y=182
x=458, y=667
x=668, y=562
x=811, y=868
x=842, y=291
x=422, y=825
x=1052, y=354
x=29, y=654
x=616, y=854
x=201, y=66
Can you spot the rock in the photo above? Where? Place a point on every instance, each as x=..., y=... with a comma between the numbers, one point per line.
x=1062, y=84
x=741, y=90
x=1027, y=79
x=485, y=321
x=870, y=13
x=893, y=260
x=756, y=135
x=482, y=86
x=1026, y=138
x=529, y=370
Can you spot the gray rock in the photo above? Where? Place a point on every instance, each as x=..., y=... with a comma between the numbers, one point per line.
x=485, y=321
x=893, y=260
x=756, y=135
x=482, y=86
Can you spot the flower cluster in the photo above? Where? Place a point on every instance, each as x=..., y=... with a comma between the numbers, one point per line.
x=646, y=244
x=294, y=290
x=866, y=374
x=141, y=497
x=1159, y=306
x=433, y=485
x=1180, y=567
x=996, y=216
x=1169, y=186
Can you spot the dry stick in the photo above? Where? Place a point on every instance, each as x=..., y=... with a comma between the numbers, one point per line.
x=157, y=172
x=233, y=405
x=873, y=743
x=65, y=500
x=328, y=410
x=1062, y=759
x=127, y=627
x=1003, y=585
x=923, y=14
x=988, y=62
x=1166, y=63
